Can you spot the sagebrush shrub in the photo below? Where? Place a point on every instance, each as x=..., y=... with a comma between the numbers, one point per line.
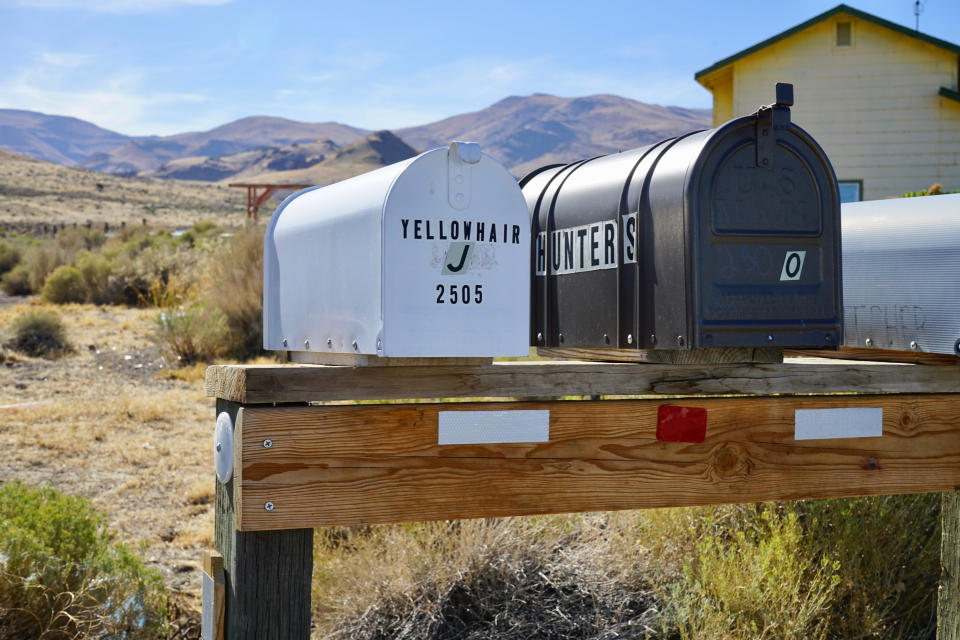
x=16, y=282
x=64, y=285
x=62, y=575
x=39, y=333
x=9, y=257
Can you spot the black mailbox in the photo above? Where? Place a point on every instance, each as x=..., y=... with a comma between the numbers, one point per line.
x=728, y=237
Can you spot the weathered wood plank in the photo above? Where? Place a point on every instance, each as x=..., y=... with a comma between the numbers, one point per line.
x=663, y=356
x=260, y=384
x=267, y=573
x=881, y=355
x=365, y=464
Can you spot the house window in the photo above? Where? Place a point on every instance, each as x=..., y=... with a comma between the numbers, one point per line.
x=844, y=34
x=851, y=190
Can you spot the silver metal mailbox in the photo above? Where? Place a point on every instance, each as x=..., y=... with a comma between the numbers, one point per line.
x=901, y=274
x=428, y=257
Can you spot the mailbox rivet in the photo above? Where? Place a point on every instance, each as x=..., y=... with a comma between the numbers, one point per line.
x=764, y=162
x=219, y=447
x=653, y=338
x=267, y=443
x=769, y=338
x=828, y=339
x=539, y=337
x=763, y=131
x=306, y=344
x=268, y=506
x=914, y=345
x=868, y=342
x=561, y=338
x=284, y=342
x=680, y=340
x=606, y=339
x=629, y=338
x=956, y=347
x=329, y=343
x=355, y=346
x=459, y=197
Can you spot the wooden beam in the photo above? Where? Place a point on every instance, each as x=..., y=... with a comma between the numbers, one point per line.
x=267, y=573
x=254, y=384
x=347, y=465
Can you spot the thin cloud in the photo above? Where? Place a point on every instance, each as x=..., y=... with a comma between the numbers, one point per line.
x=120, y=6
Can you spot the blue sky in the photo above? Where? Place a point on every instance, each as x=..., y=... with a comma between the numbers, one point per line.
x=166, y=66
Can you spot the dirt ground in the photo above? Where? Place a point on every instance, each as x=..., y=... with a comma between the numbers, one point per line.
x=113, y=422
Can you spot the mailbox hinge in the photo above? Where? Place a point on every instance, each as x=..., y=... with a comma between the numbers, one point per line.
x=460, y=158
x=770, y=119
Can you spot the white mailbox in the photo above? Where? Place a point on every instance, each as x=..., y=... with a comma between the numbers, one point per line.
x=428, y=257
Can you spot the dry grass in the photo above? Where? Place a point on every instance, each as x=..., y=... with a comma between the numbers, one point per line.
x=547, y=577
x=105, y=422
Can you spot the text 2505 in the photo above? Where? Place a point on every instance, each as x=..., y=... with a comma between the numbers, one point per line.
x=459, y=293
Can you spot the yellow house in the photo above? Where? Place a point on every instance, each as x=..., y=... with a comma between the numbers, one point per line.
x=880, y=98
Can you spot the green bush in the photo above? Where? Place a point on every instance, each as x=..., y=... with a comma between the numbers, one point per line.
x=9, y=257
x=97, y=272
x=235, y=286
x=65, y=284
x=41, y=260
x=16, y=282
x=62, y=575
x=39, y=333
x=850, y=568
x=197, y=333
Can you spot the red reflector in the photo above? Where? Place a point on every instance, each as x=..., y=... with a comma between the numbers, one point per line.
x=681, y=424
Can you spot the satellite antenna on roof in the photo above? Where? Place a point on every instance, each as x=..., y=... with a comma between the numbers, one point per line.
x=918, y=8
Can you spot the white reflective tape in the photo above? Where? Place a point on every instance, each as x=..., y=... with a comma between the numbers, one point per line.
x=493, y=427
x=857, y=422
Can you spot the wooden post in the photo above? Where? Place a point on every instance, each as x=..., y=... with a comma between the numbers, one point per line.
x=948, y=596
x=267, y=572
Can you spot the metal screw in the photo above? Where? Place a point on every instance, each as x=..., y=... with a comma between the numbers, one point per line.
x=680, y=340
x=379, y=344
x=914, y=345
x=561, y=338
x=763, y=132
x=267, y=443
x=828, y=339
x=284, y=342
x=629, y=338
x=268, y=506
x=653, y=338
x=355, y=346
x=539, y=337
x=769, y=338
x=219, y=447
x=868, y=342
x=306, y=343
x=329, y=343
x=606, y=339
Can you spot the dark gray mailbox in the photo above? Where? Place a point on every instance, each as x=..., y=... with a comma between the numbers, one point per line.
x=728, y=237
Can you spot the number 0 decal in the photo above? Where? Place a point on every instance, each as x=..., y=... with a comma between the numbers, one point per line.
x=792, y=265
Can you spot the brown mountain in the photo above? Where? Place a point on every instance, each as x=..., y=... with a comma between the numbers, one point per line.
x=140, y=155
x=57, y=139
x=243, y=165
x=376, y=150
x=527, y=132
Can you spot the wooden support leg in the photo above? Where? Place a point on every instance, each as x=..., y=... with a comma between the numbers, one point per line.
x=267, y=573
x=948, y=598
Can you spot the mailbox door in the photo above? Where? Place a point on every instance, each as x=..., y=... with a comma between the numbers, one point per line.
x=456, y=241
x=765, y=241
